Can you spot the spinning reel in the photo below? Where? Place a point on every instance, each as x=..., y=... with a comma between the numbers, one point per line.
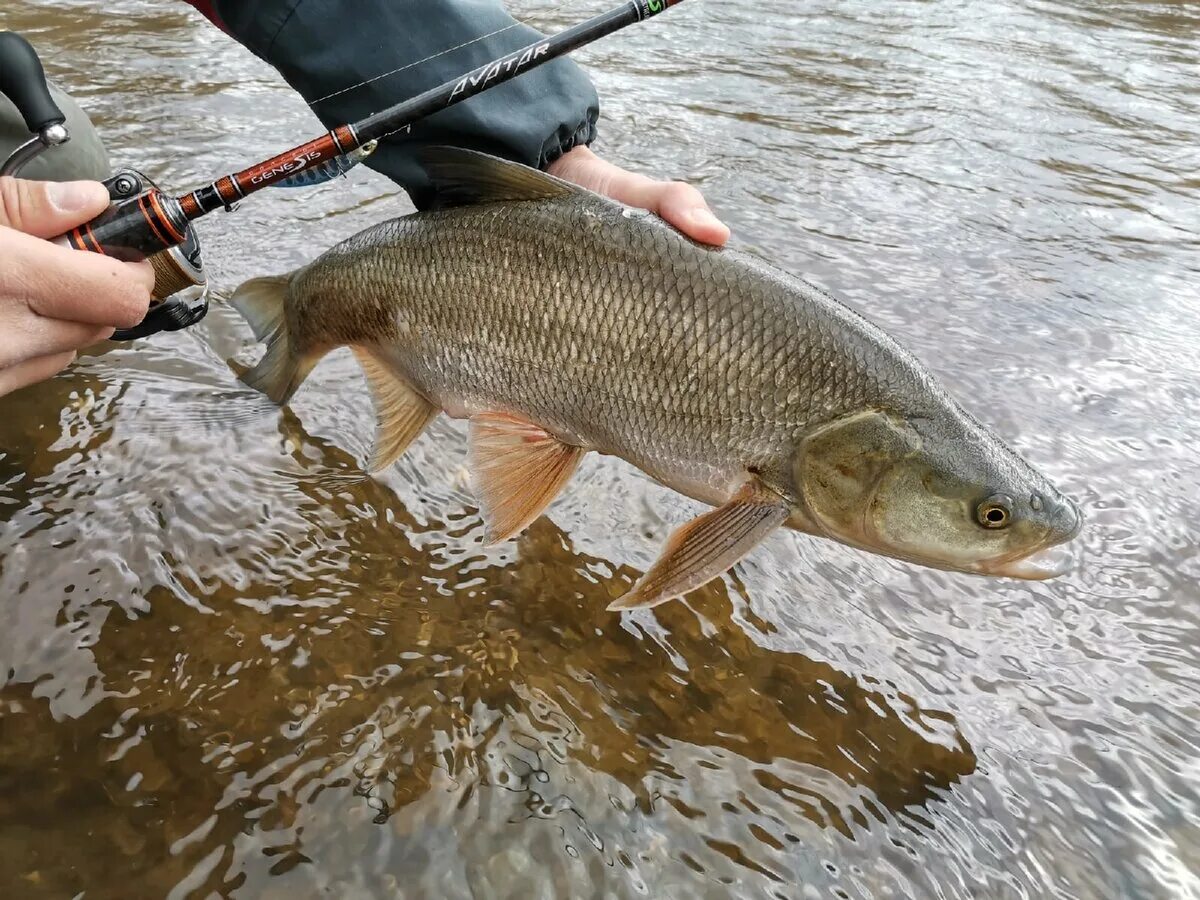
x=180, y=285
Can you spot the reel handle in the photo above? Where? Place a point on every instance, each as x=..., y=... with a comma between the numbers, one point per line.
x=23, y=81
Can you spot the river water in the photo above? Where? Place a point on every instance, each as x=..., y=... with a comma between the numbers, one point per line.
x=230, y=665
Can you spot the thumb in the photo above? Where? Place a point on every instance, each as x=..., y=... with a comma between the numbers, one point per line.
x=45, y=208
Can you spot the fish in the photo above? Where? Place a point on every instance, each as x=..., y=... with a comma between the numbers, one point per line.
x=559, y=322
x=329, y=169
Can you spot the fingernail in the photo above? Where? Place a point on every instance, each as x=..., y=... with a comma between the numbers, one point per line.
x=73, y=196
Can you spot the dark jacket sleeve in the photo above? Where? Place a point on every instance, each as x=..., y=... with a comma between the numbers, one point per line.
x=323, y=47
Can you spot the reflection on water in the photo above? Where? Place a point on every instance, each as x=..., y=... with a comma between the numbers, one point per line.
x=361, y=680
x=425, y=689
x=232, y=665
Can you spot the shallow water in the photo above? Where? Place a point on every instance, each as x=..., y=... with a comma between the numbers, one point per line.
x=230, y=665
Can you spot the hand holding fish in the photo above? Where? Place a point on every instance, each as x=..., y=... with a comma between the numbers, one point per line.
x=54, y=301
x=679, y=204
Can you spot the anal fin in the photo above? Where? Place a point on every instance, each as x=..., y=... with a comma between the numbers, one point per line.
x=518, y=469
x=708, y=546
x=401, y=413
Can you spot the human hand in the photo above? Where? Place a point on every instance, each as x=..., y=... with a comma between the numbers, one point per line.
x=54, y=300
x=680, y=204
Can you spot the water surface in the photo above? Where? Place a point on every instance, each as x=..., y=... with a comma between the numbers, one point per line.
x=231, y=665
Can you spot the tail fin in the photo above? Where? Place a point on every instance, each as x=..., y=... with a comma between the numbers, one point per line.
x=261, y=301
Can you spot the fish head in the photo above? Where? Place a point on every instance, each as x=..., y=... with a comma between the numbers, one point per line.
x=939, y=490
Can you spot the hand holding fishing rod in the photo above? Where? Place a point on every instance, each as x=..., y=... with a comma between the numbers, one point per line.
x=143, y=221
x=177, y=268
x=55, y=302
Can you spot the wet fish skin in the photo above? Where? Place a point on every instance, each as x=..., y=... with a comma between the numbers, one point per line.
x=538, y=303
x=586, y=328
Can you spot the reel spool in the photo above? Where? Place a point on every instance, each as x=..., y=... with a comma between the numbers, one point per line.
x=180, y=296
x=180, y=285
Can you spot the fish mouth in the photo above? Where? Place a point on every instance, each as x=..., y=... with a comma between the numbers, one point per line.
x=1055, y=557
x=1042, y=565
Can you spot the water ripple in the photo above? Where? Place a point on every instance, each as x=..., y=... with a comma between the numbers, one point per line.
x=233, y=664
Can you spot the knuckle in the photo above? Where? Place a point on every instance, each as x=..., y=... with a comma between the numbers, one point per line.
x=679, y=193
x=12, y=195
x=687, y=191
x=128, y=295
x=135, y=303
x=145, y=274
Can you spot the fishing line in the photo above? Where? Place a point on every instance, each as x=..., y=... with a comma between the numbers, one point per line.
x=483, y=37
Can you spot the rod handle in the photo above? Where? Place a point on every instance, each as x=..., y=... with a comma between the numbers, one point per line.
x=23, y=81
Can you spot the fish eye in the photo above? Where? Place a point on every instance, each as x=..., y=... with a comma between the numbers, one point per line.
x=995, y=511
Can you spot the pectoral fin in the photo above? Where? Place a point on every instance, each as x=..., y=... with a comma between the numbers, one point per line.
x=708, y=546
x=518, y=469
x=401, y=413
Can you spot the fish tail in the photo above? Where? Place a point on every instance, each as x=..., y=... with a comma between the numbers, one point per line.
x=262, y=303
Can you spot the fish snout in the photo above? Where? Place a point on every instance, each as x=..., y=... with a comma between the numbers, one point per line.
x=1066, y=521
x=1052, y=558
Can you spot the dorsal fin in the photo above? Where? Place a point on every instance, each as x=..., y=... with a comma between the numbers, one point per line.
x=466, y=177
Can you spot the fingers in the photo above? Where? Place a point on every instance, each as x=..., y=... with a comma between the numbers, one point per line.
x=56, y=282
x=24, y=337
x=685, y=208
x=53, y=300
x=678, y=203
x=38, y=369
x=59, y=283
x=46, y=209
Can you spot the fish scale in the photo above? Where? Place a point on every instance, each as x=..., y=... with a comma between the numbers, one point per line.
x=614, y=358
x=561, y=322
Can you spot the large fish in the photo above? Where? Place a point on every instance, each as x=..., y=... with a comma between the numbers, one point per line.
x=560, y=322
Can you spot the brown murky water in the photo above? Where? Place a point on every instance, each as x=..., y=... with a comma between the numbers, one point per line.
x=232, y=666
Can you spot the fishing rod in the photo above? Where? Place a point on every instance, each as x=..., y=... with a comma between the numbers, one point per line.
x=143, y=221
